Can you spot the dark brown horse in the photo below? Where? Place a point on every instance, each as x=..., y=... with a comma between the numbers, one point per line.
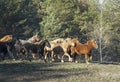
x=84, y=48
x=32, y=50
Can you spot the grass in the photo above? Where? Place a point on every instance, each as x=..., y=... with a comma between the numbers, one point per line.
x=37, y=71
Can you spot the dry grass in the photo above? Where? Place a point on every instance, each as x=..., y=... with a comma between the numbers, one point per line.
x=16, y=71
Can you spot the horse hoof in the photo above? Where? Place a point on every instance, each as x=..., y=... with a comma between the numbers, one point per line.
x=87, y=63
x=50, y=61
x=13, y=59
x=70, y=59
x=76, y=61
x=62, y=61
x=53, y=60
x=45, y=61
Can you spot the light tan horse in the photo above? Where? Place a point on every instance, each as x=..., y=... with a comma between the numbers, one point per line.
x=34, y=38
x=6, y=38
x=84, y=48
x=59, y=48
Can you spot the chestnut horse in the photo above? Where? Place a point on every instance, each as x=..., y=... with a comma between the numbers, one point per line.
x=6, y=38
x=83, y=48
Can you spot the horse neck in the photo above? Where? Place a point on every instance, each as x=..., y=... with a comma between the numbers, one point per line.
x=89, y=44
x=78, y=43
x=43, y=43
x=31, y=39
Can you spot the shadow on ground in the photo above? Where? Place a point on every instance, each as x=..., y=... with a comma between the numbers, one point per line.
x=30, y=72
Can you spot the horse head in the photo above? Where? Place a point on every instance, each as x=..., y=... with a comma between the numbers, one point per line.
x=35, y=38
x=92, y=43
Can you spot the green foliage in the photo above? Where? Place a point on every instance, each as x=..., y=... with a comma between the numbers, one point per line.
x=62, y=19
x=18, y=17
x=114, y=19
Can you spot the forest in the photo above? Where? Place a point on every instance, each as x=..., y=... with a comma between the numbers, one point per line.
x=52, y=19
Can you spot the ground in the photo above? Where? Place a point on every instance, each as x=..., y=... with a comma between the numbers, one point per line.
x=36, y=71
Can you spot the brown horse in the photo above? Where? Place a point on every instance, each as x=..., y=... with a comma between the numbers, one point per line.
x=84, y=48
x=6, y=38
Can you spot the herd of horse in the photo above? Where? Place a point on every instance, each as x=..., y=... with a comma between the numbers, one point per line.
x=36, y=48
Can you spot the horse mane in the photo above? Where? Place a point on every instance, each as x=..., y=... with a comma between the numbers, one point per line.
x=39, y=43
x=90, y=41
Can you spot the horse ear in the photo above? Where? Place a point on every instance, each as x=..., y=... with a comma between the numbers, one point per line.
x=36, y=35
x=92, y=40
x=76, y=38
x=11, y=35
x=88, y=38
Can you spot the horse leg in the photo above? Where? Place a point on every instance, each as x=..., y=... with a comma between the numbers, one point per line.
x=10, y=53
x=58, y=56
x=90, y=58
x=4, y=55
x=66, y=54
x=62, y=59
x=70, y=59
x=49, y=55
x=46, y=54
x=20, y=56
x=52, y=56
x=28, y=56
x=75, y=55
x=86, y=58
x=23, y=55
x=33, y=55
